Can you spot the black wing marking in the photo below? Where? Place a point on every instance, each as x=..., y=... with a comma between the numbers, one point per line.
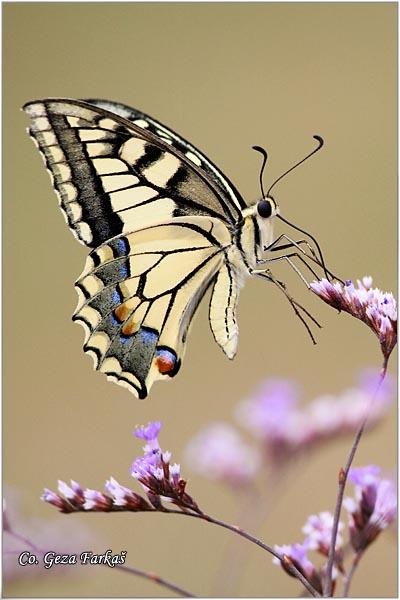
x=113, y=176
x=178, y=142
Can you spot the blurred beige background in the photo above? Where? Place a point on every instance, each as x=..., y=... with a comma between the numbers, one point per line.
x=226, y=76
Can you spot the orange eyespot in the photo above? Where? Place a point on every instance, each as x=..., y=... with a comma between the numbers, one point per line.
x=166, y=361
x=122, y=312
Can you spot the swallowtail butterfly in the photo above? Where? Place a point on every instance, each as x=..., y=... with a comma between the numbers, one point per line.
x=163, y=225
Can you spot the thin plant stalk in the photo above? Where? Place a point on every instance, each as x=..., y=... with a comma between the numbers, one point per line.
x=138, y=572
x=229, y=571
x=287, y=561
x=343, y=474
x=350, y=574
x=25, y=541
x=155, y=579
x=252, y=512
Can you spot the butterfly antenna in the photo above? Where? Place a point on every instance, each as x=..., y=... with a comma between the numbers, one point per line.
x=265, y=158
x=320, y=144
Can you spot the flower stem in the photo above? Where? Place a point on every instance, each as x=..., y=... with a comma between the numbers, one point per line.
x=230, y=570
x=155, y=579
x=293, y=570
x=350, y=574
x=146, y=575
x=343, y=474
x=25, y=541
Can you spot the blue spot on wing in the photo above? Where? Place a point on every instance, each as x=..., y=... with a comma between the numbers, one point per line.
x=122, y=246
x=116, y=298
x=167, y=354
x=123, y=271
x=148, y=336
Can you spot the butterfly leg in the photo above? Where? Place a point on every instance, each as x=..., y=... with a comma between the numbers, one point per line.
x=288, y=257
x=294, y=304
x=273, y=247
x=292, y=243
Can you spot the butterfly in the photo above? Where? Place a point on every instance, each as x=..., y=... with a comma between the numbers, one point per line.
x=163, y=225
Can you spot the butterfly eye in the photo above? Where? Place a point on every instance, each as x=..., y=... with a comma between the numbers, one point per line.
x=264, y=208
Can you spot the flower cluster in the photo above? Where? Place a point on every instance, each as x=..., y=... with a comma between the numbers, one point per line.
x=372, y=306
x=219, y=452
x=285, y=428
x=318, y=533
x=274, y=416
x=160, y=480
x=374, y=507
x=371, y=510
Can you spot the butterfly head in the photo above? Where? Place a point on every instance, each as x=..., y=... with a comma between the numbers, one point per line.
x=267, y=208
x=263, y=214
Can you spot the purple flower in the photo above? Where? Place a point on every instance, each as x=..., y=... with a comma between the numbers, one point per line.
x=271, y=413
x=318, y=530
x=364, y=476
x=95, y=500
x=123, y=496
x=296, y=554
x=370, y=382
x=218, y=452
x=175, y=472
x=372, y=306
x=73, y=493
x=373, y=508
x=162, y=483
x=287, y=428
x=266, y=412
x=329, y=415
x=157, y=477
x=56, y=500
x=146, y=465
x=149, y=433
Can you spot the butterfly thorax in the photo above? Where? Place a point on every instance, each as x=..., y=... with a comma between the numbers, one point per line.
x=254, y=234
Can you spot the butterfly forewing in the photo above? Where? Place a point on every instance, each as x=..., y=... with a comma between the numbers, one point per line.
x=113, y=176
x=234, y=202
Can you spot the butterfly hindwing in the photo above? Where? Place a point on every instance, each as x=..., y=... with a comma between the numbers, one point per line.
x=113, y=176
x=223, y=305
x=137, y=300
